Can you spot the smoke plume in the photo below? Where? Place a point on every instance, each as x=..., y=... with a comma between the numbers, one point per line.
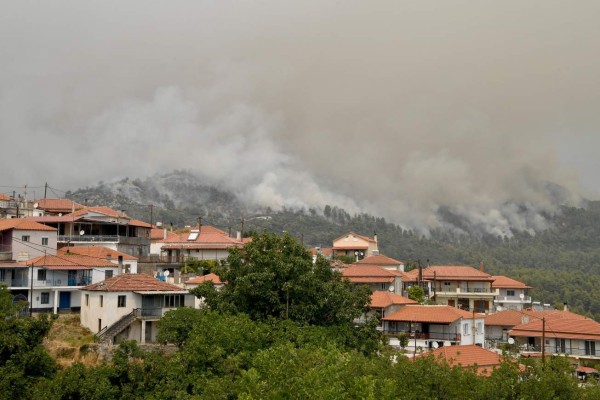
x=395, y=108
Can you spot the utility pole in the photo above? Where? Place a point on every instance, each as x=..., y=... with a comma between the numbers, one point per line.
x=45, y=189
x=199, y=223
x=543, y=340
x=31, y=293
x=242, y=220
x=151, y=212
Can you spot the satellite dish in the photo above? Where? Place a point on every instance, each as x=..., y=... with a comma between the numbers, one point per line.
x=81, y=232
x=522, y=296
x=35, y=205
x=391, y=288
x=511, y=341
x=435, y=345
x=447, y=344
x=60, y=214
x=166, y=272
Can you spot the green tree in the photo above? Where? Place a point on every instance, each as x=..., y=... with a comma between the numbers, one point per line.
x=416, y=293
x=274, y=277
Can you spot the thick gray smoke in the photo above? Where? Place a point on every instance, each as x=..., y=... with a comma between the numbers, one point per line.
x=395, y=108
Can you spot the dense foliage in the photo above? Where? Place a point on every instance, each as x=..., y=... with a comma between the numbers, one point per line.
x=274, y=277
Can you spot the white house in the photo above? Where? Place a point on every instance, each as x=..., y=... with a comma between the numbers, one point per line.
x=201, y=243
x=128, y=306
x=52, y=282
x=22, y=239
x=512, y=294
x=437, y=323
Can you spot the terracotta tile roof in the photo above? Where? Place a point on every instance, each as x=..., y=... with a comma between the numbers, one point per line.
x=450, y=273
x=58, y=205
x=23, y=224
x=100, y=252
x=109, y=212
x=558, y=326
x=158, y=234
x=501, y=281
x=132, y=283
x=4, y=197
x=208, y=238
x=379, y=260
x=325, y=251
x=137, y=222
x=67, y=260
x=513, y=318
x=382, y=299
x=214, y=278
x=429, y=314
x=586, y=370
x=369, y=271
x=365, y=279
x=366, y=238
x=468, y=356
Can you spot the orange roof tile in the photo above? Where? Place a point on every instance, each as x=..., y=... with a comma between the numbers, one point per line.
x=467, y=356
x=514, y=318
x=560, y=327
x=67, y=260
x=158, y=234
x=372, y=271
x=23, y=224
x=501, y=281
x=132, y=283
x=326, y=251
x=208, y=238
x=214, y=278
x=368, y=239
x=382, y=299
x=429, y=314
x=379, y=260
x=58, y=205
x=100, y=252
x=450, y=273
x=4, y=197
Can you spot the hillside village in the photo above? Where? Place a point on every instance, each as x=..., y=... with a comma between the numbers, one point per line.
x=121, y=275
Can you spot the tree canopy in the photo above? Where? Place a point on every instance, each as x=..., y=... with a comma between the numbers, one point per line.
x=275, y=277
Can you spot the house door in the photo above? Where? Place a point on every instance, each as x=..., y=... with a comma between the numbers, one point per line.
x=452, y=303
x=64, y=300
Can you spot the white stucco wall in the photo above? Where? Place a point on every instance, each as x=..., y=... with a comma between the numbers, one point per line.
x=23, y=251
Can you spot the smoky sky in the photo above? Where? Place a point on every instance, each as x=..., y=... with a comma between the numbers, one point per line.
x=391, y=107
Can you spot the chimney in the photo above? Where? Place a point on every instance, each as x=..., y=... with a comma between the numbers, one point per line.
x=375, y=236
x=120, y=265
x=481, y=266
x=565, y=306
x=238, y=236
x=401, y=267
x=164, y=233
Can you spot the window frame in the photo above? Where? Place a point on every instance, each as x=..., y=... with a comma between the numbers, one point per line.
x=41, y=273
x=45, y=298
x=121, y=301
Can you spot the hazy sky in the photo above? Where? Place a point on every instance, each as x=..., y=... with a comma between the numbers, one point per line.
x=392, y=107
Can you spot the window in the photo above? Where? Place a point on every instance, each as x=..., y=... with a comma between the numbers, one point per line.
x=44, y=241
x=101, y=301
x=174, y=300
x=590, y=348
x=479, y=328
x=45, y=298
x=41, y=275
x=25, y=238
x=466, y=329
x=510, y=293
x=108, y=273
x=87, y=299
x=121, y=301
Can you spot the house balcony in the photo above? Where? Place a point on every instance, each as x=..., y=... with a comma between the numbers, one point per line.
x=151, y=313
x=131, y=240
x=450, y=337
x=26, y=283
x=478, y=293
x=512, y=300
x=562, y=351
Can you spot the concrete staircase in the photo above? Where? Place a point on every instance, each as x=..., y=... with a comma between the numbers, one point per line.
x=109, y=332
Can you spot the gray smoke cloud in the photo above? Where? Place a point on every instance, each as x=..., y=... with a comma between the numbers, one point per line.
x=395, y=108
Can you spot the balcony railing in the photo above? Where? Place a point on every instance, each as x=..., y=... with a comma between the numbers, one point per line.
x=163, y=259
x=25, y=283
x=512, y=299
x=570, y=351
x=133, y=240
x=468, y=291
